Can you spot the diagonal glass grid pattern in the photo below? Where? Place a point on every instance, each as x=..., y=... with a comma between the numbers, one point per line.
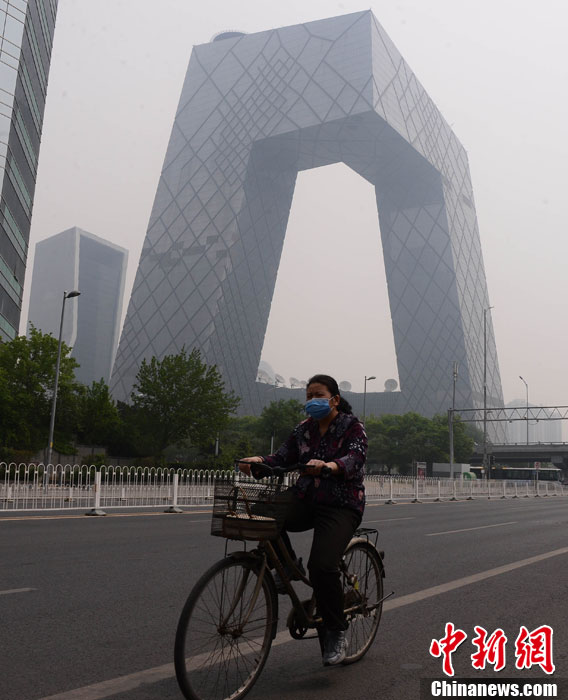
x=254, y=111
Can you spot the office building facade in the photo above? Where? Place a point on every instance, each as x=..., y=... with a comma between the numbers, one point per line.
x=256, y=109
x=75, y=259
x=26, y=36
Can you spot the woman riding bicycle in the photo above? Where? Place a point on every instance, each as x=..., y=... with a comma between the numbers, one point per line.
x=331, y=502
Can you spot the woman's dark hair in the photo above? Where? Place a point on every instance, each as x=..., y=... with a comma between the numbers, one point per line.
x=331, y=384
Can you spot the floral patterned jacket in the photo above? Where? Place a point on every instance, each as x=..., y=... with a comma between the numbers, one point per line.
x=344, y=443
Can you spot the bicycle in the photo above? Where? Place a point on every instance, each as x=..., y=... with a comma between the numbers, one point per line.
x=230, y=618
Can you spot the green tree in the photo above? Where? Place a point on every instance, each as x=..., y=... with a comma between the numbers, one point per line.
x=130, y=439
x=238, y=439
x=278, y=419
x=180, y=398
x=9, y=420
x=99, y=421
x=398, y=441
x=475, y=433
x=463, y=443
x=405, y=439
x=27, y=373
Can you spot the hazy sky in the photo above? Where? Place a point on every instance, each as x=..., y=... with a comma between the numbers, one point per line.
x=496, y=69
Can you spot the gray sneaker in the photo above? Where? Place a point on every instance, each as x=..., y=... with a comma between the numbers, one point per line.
x=334, y=647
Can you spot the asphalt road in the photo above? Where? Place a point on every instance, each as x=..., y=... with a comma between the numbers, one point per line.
x=91, y=604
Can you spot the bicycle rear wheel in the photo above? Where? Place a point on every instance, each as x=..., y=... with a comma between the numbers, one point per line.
x=362, y=588
x=224, y=635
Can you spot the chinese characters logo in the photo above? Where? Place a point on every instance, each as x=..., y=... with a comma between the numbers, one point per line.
x=531, y=648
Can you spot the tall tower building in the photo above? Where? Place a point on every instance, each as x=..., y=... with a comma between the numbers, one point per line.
x=75, y=259
x=255, y=110
x=26, y=38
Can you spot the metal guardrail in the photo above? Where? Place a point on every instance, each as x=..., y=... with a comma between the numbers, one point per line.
x=75, y=486
x=390, y=489
x=82, y=487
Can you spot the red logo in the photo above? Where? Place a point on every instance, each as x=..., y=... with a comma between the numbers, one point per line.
x=531, y=648
x=490, y=650
x=535, y=648
x=447, y=645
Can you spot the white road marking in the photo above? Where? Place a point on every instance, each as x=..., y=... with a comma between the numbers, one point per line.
x=468, y=580
x=16, y=590
x=386, y=520
x=124, y=684
x=468, y=529
x=109, y=515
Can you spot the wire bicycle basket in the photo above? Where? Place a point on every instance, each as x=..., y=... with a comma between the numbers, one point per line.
x=249, y=511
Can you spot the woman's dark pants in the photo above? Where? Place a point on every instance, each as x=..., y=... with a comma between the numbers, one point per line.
x=333, y=528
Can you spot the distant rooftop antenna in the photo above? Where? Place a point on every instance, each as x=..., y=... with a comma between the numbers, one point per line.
x=263, y=377
x=391, y=385
x=227, y=34
x=264, y=367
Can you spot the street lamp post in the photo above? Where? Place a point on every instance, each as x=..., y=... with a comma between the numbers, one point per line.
x=66, y=295
x=528, y=460
x=485, y=466
x=527, y=390
x=451, y=420
x=273, y=426
x=367, y=379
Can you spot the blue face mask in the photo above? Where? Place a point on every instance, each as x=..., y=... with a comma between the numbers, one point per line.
x=317, y=408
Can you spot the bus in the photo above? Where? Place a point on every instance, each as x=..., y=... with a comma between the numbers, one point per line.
x=499, y=471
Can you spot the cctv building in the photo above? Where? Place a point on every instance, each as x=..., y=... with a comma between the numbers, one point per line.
x=26, y=38
x=76, y=259
x=255, y=110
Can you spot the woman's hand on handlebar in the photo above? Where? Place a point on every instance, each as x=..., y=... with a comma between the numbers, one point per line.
x=317, y=467
x=257, y=467
x=245, y=462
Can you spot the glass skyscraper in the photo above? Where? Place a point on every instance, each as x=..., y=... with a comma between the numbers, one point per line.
x=26, y=36
x=76, y=259
x=255, y=109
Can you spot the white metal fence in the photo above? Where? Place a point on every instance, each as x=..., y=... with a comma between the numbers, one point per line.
x=62, y=487
x=84, y=487
x=385, y=488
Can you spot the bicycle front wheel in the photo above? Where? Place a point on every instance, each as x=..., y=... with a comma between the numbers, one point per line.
x=363, y=589
x=225, y=632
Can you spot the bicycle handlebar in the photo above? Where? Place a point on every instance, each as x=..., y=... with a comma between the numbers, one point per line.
x=263, y=469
